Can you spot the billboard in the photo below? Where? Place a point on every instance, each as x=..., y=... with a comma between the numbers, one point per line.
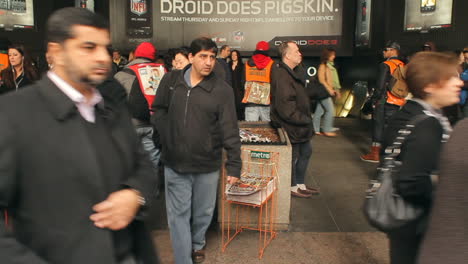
x=425, y=15
x=139, y=19
x=313, y=24
x=363, y=17
x=16, y=14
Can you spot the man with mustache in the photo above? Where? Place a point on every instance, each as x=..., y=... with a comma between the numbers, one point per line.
x=73, y=175
x=195, y=116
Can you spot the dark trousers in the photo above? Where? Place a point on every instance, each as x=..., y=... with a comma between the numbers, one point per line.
x=382, y=113
x=301, y=153
x=404, y=249
x=405, y=242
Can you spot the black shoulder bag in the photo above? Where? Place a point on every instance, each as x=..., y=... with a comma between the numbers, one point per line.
x=383, y=208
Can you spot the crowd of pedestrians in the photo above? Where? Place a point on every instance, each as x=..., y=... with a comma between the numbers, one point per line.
x=81, y=147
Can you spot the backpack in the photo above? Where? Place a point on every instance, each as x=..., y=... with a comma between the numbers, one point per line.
x=397, y=85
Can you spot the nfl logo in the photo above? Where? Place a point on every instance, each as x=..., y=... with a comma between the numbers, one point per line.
x=238, y=36
x=138, y=7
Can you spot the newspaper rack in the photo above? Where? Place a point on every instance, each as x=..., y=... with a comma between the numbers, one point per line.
x=251, y=204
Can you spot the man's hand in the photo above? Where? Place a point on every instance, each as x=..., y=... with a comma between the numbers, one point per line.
x=232, y=179
x=117, y=211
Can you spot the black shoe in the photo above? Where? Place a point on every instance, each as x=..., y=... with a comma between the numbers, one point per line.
x=301, y=194
x=198, y=256
x=310, y=190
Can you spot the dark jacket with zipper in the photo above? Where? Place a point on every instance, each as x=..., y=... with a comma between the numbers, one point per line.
x=290, y=104
x=196, y=123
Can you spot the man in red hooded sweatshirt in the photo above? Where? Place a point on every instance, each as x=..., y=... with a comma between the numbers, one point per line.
x=257, y=84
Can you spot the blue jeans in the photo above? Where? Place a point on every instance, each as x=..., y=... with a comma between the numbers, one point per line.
x=301, y=153
x=325, y=109
x=257, y=113
x=189, y=196
x=146, y=137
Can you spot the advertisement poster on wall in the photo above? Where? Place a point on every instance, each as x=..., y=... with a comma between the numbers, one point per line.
x=89, y=4
x=425, y=15
x=313, y=24
x=363, y=17
x=16, y=14
x=139, y=19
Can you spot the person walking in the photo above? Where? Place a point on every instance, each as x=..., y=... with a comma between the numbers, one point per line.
x=141, y=79
x=195, y=115
x=74, y=177
x=325, y=110
x=433, y=80
x=385, y=104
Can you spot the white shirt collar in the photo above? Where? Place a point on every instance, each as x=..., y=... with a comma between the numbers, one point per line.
x=71, y=92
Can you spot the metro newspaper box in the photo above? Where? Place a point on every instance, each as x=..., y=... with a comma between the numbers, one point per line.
x=258, y=178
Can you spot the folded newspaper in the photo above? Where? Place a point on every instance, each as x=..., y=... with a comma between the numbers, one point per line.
x=248, y=184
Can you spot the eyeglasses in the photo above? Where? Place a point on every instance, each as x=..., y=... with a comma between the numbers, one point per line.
x=387, y=49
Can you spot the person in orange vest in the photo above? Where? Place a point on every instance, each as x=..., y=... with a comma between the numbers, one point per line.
x=141, y=78
x=384, y=103
x=257, y=84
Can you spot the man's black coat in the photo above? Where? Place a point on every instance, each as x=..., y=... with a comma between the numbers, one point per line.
x=49, y=178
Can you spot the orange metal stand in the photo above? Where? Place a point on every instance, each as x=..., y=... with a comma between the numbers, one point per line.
x=239, y=216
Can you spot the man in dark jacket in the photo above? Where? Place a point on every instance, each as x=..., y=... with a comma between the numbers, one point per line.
x=118, y=60
x=195, y=115
x=221, y=67
x=74, y=191
x=290, y=109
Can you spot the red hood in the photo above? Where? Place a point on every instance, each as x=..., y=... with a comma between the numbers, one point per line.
x=261, y=61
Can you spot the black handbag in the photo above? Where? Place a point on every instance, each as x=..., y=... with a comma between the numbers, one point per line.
x=383, y=208
x=316, y=90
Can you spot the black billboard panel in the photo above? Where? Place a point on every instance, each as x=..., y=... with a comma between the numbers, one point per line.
x=16, y=14
x=363, y=18
x=139, y=18
x=425, y=15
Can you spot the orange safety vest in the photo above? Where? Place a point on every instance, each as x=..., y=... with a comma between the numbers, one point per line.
x=3, y=61
x=257, y=84
x=252, y=74
x=149, y=76
x=393, y=64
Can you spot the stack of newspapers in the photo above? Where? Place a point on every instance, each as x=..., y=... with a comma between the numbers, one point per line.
x=252, y=189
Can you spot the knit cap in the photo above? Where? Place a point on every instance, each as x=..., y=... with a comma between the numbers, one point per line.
x=145, y=50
